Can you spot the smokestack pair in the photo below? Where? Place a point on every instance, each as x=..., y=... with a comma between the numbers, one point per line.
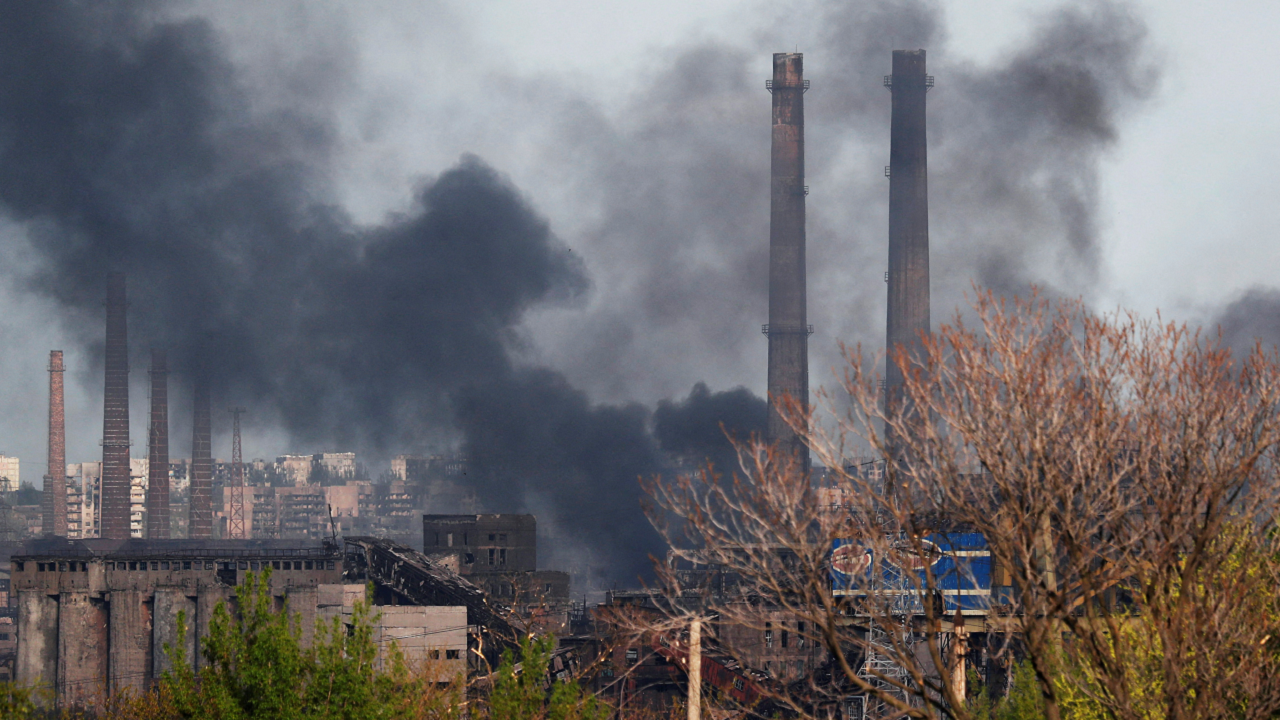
x=908, y=276
x=115, y=499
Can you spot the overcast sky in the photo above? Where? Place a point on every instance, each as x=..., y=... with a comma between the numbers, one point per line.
x=639, y=131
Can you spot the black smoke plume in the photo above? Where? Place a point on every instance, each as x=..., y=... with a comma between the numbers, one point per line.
x=130, y=141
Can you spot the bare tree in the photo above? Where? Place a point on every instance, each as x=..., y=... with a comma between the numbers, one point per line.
x=1097, y=491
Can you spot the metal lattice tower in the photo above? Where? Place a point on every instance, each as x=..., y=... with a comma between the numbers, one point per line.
x=235, y=515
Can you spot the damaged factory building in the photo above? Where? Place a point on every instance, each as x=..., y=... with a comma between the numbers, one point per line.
x=95, y=615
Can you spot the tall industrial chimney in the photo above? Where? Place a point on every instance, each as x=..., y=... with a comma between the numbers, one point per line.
x=200, y=523
x=908, y=215
x=788, y=329
x=158, y=449
x=53, y=519
x=114, y=505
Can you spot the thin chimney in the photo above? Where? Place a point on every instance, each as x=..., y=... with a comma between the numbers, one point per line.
x=115, y=424
x=908, y=277
x=788, y=329
x=158, y=449
x=54, y=515
x=200, y=523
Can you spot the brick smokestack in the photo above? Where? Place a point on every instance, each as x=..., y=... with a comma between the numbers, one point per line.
x=788, y=327
x=158, y=449
x=115, y=423
x=200, y=521
x=908, y=215
x=53, y=519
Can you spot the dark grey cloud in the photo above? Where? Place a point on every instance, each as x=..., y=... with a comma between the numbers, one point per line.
x=1251, y=318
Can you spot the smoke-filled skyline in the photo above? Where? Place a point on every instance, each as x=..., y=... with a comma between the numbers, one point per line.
x=504, y=259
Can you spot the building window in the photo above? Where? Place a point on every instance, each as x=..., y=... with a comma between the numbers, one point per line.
x=164, y=564
x=784, y=637
x=155, y=564
x=492, y=537
x=492, y=552
x=502, y=556
x=548, y=588
x=310, y=565
x=243, y=565
x=208, y=565
x=502, y=537
x=449, y=539
x=18, y=565
x=275, y=564
x=768, y=635
x=62, y=567
x=464, y=539
x=632, y=656
x=328, y=565
x=433, y=654
x=186, y=564
x=469, y=558
x=737, y=683
x=133, y=565
x=452, y=654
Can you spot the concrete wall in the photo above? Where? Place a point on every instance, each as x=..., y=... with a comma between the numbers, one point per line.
x=432, y=639
x=167, y=605
x=130, y=640
x=37, y=638
x=82, y=649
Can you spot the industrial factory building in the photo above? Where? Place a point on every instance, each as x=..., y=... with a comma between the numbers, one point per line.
x=95, y=615
x=499, y=553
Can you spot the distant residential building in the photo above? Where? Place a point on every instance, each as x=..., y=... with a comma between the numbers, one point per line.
x=9, y=479
x=297, y=468
x=337, y=465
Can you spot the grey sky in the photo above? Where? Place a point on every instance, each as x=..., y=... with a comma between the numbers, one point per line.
x=580, y=105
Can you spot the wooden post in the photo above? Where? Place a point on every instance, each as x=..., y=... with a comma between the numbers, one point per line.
x=695, y=668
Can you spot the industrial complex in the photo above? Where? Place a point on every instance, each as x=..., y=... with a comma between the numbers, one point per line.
x=125, y=547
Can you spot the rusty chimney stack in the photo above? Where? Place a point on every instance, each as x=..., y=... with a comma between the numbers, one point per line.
x=158, y=449
x=788, y=329
x=200, y=522
x=908, y=276
x=53, y=519
x=115, y=423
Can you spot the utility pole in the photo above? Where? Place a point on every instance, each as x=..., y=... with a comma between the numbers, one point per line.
x=235, y=519
x=695, y=668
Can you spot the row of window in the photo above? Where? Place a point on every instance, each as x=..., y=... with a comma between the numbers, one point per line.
x=448, y=654
x=140, y=565
x=448, y=539
x=768, y=635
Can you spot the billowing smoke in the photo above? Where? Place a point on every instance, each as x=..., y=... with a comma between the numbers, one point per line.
x=130, y=141
x=1253, y=317
x=701, y=429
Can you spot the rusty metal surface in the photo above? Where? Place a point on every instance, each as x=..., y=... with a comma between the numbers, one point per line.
x=54, y=501
x=908, y=279
x=200, y=521
x=115, y=502
x=788, y=328
x=158, y=450
x=418, y=581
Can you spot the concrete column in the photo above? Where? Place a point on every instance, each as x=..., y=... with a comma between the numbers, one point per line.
x=908, y=306
x=788, y=328
x=164, y=627
x=305, y=601
x=130, y=640
x=83, y=644
x=207, y=599
x=37, y=638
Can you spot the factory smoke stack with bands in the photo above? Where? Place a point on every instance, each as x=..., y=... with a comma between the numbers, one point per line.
x=158, y=449
x=115, y=423
x=54, y=515
x=908, y=277
x=788, y=329
x=200, y=522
